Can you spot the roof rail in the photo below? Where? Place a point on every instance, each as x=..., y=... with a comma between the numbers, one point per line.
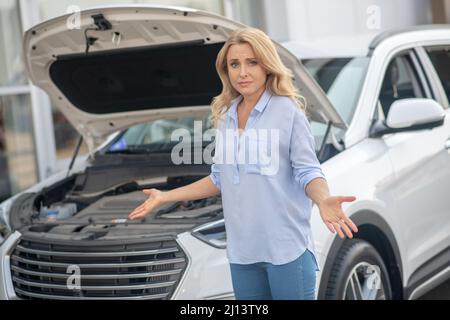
x=393, y=32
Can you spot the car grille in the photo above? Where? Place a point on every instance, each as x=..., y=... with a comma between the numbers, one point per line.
x=150, y=270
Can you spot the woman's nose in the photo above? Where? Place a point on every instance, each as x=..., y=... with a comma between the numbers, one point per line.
x=243, y=71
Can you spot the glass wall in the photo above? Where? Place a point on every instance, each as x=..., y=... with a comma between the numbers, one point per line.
x=11, y=65
x=18, y=168
x=5, y=184
x=17, y=149
x=250, y=12
x=66, y=137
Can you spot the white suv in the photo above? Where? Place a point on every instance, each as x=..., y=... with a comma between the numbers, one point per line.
x=130, y=75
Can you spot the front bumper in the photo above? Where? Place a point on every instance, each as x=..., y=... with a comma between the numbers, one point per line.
x=6, y=284
x=206, y=276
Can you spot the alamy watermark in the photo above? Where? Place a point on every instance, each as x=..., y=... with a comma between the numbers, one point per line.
x=73, y=22
x=74, y=280
x=373, y=21
x=373, y=278
x=254, y=147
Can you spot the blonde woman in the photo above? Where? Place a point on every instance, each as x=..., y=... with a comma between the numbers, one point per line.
x=267, y=201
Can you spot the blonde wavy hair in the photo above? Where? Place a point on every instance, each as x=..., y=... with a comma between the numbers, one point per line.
x=279, y=77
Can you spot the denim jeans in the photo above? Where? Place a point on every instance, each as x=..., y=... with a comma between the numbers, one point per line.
x=295, y=280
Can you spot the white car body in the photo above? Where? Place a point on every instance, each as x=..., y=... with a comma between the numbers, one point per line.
x=400, y=180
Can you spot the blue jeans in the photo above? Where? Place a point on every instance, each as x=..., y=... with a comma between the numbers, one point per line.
x=295, y=280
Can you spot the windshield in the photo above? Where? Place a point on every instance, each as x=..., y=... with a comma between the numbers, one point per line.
x=162, y=135
x=341, y=79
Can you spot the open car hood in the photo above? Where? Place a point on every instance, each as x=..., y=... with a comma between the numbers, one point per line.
x=144, y=63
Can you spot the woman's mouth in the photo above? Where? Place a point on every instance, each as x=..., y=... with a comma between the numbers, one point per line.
x=244, y=83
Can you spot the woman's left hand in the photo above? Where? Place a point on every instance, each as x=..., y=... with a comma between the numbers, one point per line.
x=334, y=217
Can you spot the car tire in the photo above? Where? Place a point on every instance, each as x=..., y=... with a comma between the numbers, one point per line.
x=358, y=273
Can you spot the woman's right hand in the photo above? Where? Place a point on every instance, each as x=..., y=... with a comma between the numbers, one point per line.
x=200, y=189
x=155, y=200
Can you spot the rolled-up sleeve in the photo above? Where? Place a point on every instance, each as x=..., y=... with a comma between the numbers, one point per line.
x=215, y=167
x=305, y=164
x=215, y=175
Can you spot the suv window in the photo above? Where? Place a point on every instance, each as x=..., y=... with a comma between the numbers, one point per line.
x=400, y=82
x=440, y=58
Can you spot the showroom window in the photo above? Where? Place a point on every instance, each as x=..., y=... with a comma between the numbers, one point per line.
x=440, y=57
x=18, y=165
x=66, y=137
x=250, y=12
x=11, y=65
x=17, y=151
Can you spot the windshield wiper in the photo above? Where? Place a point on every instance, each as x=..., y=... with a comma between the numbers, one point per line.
x=166, y=147
x=136, y=150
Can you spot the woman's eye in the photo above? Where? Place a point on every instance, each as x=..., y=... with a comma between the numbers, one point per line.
x=253, y=62
x=234, y=65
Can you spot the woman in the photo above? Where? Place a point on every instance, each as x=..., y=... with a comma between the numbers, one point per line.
x=266, y=202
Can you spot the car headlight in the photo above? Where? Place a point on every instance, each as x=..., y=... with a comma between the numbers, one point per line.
x=212, y=233
x=5, y=229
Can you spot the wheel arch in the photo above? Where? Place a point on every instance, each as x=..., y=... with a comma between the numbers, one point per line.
x=375, y=230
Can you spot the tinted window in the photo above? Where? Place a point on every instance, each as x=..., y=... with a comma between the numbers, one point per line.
x=400, y=82
x=440, y=57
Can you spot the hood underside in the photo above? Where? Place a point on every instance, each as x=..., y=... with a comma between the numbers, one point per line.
x=142, y=63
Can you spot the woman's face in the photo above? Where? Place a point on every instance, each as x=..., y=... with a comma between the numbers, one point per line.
x=244, y=71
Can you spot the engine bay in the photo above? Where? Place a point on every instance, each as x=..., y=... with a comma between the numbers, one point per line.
x=65, y=211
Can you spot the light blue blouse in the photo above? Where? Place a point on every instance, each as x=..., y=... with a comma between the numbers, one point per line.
x=262, y=175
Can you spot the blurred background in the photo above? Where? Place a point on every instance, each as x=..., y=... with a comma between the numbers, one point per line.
x=36, y=140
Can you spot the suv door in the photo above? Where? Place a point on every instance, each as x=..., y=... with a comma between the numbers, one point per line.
x=422, y=167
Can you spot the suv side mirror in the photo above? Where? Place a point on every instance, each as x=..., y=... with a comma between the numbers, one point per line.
x=410, y=115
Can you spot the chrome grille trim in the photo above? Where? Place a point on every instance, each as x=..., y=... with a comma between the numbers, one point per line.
x=99, y=265
x=55, y=297
x=64, y=287
x=96, y=254
x=108, y=270
x=98, y=276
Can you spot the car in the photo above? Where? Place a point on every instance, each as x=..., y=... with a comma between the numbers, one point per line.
x=393, y=91
x=132, y=75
